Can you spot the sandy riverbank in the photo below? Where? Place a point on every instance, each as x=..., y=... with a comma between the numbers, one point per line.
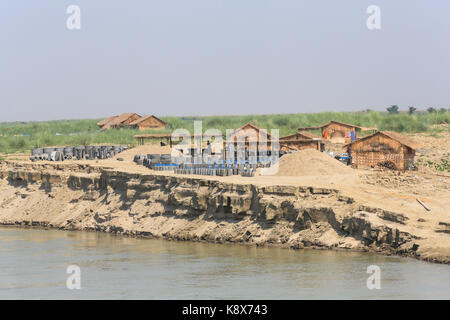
x=364, y=210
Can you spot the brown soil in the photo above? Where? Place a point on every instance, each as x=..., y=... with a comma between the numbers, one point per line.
x=311, y=163
x=436, y=147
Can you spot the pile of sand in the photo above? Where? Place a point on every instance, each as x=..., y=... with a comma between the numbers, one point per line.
x=145, y=149
x=310, y=162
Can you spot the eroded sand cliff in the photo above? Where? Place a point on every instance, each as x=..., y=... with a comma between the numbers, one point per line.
x=86, y=197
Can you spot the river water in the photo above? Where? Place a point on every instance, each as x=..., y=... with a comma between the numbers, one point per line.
x=33, y=265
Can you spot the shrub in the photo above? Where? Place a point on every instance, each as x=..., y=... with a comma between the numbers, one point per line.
x=411, y=110
x=392, y=109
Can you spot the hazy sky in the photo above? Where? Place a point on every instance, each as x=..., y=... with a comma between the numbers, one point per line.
x=205, y=57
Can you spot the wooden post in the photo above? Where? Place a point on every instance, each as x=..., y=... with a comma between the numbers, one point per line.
x=423, y=204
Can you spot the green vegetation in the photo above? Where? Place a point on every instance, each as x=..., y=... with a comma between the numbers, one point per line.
x=392, y=109
x=23, y=136
x=444, y=165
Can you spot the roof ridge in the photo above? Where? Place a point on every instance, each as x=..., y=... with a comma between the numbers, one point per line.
x=393, y=135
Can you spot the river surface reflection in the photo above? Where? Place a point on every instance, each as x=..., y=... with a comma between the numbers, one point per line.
x=33, y=265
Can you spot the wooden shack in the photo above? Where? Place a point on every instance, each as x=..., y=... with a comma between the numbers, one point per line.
x=383, y=148
x=121, y=121
x=337, y=132
x=148, y=122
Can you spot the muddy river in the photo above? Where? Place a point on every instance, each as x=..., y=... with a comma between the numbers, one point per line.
x=51, y=264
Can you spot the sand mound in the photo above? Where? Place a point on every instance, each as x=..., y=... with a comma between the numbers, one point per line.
x=129, y=154
x=310, y=162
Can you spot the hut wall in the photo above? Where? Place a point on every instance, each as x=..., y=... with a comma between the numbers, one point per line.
x=408, y=157
x=248, y=134
x=373, y=159
x=381, y=150
x=337, y=132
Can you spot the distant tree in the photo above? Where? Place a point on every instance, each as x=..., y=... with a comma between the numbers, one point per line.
x=442, y=110
x=392, y=109
x=411, y=110
x=431, y=110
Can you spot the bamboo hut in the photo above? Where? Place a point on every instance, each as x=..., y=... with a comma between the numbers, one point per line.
x=383, y=148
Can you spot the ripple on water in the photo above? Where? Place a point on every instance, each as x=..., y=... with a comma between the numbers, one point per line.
x=33, y=266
